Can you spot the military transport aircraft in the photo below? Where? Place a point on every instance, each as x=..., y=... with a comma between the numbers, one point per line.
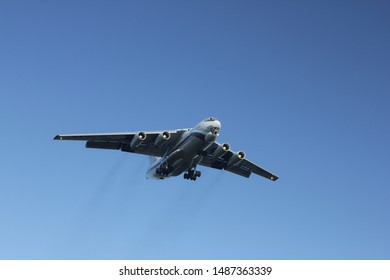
x=177, y=151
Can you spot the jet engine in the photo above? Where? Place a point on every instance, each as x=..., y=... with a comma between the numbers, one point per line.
x=221, y=150
x=137, y=140
x=236, y=158
x=162, y=137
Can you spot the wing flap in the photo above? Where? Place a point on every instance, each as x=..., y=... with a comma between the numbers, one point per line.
x=240, y=171
x=103, y=145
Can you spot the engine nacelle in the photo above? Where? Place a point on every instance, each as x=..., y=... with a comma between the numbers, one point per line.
x=221, y=150
x=210, y=137
x=162, y=137
x=137, y=140
x=236, y=158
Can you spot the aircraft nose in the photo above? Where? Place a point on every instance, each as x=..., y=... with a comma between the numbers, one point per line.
x=216, y=127
x=217, y=123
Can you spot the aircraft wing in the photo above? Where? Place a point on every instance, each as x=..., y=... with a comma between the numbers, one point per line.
x=244, y=167
x=122, y=141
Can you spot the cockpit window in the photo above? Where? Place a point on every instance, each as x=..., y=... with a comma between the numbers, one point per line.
x=209, y=119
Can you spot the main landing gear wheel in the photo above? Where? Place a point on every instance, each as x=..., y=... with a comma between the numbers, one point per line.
x=192, y=174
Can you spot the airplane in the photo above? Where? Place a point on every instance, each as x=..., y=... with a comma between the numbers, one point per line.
x=179, y=151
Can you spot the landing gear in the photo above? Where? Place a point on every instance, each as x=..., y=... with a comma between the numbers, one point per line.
x=192, y=174
x=162, y=170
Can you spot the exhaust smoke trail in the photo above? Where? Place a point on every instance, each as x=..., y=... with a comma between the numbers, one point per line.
x=176, y=217
x=107, y=180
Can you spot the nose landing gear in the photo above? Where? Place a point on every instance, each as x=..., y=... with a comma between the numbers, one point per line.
x=192, y=174
x=162, y=170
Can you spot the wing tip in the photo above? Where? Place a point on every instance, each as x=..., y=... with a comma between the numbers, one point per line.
x=274, y=178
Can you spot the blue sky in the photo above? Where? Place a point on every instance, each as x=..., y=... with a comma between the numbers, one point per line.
x=302, y=87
